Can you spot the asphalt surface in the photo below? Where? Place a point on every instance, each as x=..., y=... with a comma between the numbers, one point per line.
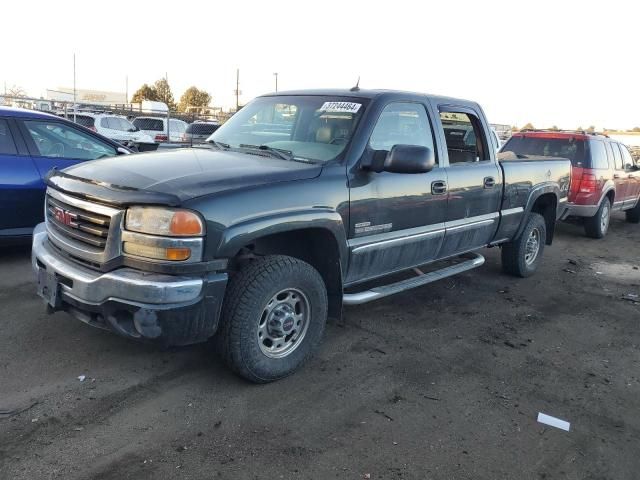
x=442, y=382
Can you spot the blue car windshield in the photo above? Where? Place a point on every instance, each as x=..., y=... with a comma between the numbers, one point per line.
x=307, y=127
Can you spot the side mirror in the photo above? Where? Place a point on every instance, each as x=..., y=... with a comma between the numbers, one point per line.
x=409, y=159
x=123, y=151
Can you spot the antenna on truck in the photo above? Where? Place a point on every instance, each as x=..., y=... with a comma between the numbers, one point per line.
x=356, y=88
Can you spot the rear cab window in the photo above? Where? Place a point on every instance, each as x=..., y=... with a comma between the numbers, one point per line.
x=202, y=128
x=464, y=137
x=153, y=124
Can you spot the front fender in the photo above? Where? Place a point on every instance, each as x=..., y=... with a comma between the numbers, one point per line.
x=241, y=234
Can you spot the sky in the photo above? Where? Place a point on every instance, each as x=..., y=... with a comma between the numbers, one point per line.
x=562, y=62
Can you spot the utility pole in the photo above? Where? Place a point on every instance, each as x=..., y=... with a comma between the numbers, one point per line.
x=276, y=75
x=74, y=87
x=166, y=78
x=237, y=89
x=126, y=89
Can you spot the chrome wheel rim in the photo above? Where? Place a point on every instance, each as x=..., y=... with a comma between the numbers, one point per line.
x=283, y=323
x=532, y=247
x=604, y=218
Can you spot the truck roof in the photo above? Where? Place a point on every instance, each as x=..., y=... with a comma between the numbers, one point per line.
x=368, y=93
x=23, y=112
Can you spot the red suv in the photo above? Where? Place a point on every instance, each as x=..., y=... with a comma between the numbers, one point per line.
x=604, y=176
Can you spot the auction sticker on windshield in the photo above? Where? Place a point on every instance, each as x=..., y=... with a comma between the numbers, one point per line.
x=347, y=107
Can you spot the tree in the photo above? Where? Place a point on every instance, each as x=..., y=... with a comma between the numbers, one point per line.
x=145, y=92
x=163, y=91
x=636, y=129
x=194, y=100
x=514, y=128
x=16, y=91
x=554, y=128
x=591, y=129
x=528, y=126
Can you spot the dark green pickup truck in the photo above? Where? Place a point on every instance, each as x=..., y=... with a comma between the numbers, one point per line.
x=301, y=203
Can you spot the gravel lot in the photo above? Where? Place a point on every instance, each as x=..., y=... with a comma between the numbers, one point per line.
x=442, y=382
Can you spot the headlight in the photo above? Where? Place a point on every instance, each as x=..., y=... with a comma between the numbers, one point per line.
x=163, y=234
x=164, y=221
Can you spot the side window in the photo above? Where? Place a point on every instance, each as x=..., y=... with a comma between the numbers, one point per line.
x=57, y=140
x=466, y=142
x=627, y=161
x=105, y=122
x=598, y=155
x=617, y=157
x=402, y=124
x=7, y=147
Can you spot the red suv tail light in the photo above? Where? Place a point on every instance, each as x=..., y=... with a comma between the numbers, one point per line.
x=161, y=138
x=588, y=183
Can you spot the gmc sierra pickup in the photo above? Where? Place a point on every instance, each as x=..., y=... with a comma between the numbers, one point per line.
x=301, y=203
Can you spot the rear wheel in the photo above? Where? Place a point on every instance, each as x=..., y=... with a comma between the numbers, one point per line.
x=633, y=215
x=274, y=315
x=522, y=256
x=597, y=226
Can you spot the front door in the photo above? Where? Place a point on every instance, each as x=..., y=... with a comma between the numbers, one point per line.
x=633, y=178
x=475, y=186
x=21, y=189
x=396, y=220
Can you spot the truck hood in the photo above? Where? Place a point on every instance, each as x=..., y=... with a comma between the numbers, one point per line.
x=182, y=174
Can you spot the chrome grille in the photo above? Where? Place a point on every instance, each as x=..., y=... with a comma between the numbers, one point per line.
x=89, y=232
x=81, y=225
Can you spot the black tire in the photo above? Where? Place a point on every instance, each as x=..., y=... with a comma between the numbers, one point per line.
x=633, y=215
x=245, y=315
x=597, y=226
x=516, y=259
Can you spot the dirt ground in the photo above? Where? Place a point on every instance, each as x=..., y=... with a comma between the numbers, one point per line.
x=442, y=382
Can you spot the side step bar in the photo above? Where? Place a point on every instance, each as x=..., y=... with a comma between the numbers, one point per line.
x=422, y=279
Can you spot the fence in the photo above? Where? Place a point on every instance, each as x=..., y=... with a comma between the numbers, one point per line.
x=165, y=126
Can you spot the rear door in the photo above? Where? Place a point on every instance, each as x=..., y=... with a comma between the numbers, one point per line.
x=633, y=177
x=474, y=180
x=620, y=178
x=21, y=188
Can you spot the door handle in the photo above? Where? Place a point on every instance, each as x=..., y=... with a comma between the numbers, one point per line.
x=489, y=182
x=631, y=175
x=439, y=187
x=616, y=175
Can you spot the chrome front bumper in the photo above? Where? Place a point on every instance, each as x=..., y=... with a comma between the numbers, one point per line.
x=125, y=284
x=166, y=309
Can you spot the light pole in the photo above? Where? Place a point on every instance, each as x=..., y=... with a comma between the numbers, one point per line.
x=275, y=74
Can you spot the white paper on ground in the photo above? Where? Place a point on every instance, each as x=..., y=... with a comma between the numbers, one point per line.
x=553, y=421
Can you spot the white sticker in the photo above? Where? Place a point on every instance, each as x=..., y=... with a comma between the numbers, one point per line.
x=553, y=421
x=348, y=107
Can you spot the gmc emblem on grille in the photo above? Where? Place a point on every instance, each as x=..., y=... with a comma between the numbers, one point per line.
x=65, y=217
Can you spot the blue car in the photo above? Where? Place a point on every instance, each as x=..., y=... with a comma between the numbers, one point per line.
x=31, y=144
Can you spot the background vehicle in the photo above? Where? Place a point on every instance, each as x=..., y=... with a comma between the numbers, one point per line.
x=156, y=128
x=605, y=178
x=198, y=132
x=303, y=202
x=115, y=127
x=31, y=144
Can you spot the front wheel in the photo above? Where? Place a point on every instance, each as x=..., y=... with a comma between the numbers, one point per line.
x=274, y=314
x=597, y=226
x=522, y=256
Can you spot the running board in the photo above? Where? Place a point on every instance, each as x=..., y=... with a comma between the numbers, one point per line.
x=422, y=279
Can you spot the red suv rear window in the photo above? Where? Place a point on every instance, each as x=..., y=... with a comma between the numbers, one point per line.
x=574, y=148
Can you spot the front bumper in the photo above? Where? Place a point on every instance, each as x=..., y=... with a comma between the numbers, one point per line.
x=167, y=309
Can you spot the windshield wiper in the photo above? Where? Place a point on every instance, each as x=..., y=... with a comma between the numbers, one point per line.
x=277, y=152
x=220, y=145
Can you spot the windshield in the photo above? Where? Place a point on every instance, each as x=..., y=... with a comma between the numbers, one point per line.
x=316, y=128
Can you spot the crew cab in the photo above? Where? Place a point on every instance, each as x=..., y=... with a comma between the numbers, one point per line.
x=301, y=203
x=605, y=177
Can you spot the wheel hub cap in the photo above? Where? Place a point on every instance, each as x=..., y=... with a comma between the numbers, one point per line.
x=532, y=247
x=283, y=323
